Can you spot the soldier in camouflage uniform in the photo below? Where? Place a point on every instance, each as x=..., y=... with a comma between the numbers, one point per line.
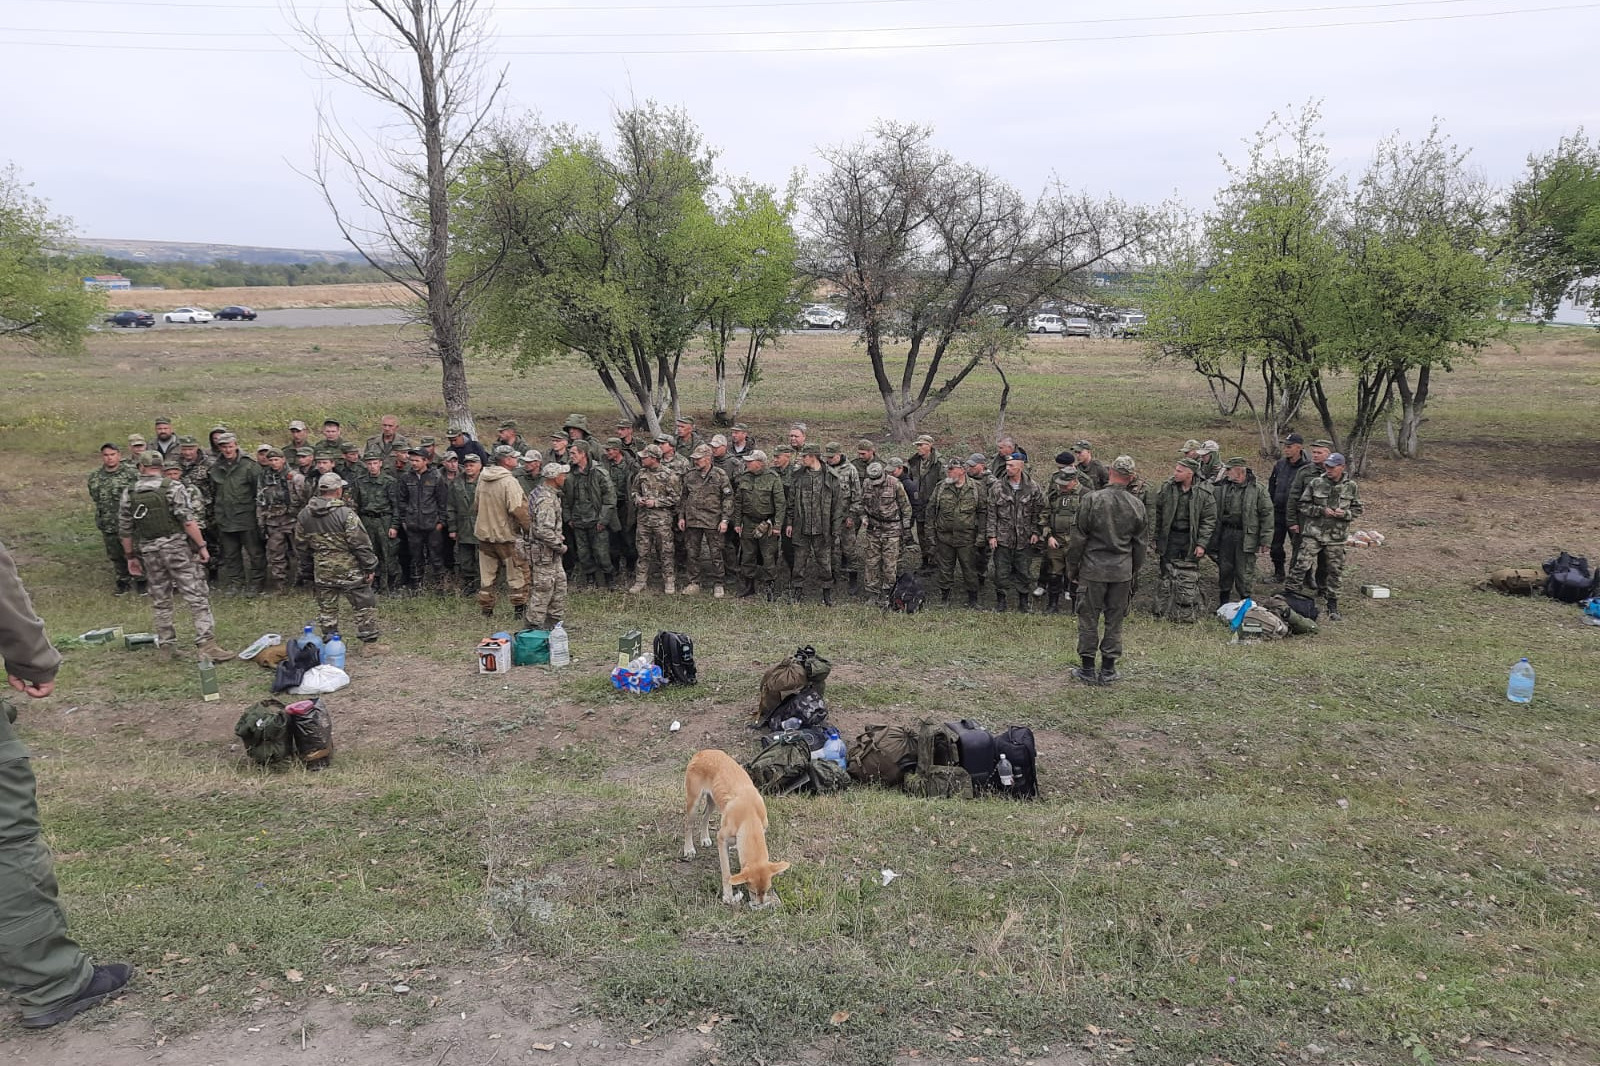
x=1244, y=526
x=687, y=440
x=1061, y=500
x=630, y=443
x=277, y=490
x=846, y=556
x=816, y=517
x=758, y=517
x=526, y=473
x=885, y=519
x=1091, y=471
x=655, y=491
x=1183, y=518
x=343, y=562
x=105, y=491
x=461, y=520
x=621, y=465
x=1327, y=507
x=508, y=435
x=1015, y=504
x=958, y=518
x=162, y=541
x=233, y=502
x=589, y=502
x=1210, y=465
x=704, y=515
x=979, y=474
x=196, y=477
x=543, y=547
x=1320, y=450
x=785, y=462
x=387, y=440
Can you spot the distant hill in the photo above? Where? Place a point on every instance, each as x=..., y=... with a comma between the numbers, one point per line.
x=181, y=252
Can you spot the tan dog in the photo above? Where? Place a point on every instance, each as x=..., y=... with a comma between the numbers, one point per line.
x=723, y=784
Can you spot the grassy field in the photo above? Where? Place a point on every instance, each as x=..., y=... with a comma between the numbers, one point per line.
x=263, y=298
x=1346, y=848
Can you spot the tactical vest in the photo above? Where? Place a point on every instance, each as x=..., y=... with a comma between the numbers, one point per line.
x=1064, y=511
x=273, y=495
x=152, y=515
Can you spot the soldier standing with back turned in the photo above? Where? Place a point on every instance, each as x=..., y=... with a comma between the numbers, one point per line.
x=1107, y=551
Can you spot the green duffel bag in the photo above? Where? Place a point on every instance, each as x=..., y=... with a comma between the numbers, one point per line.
x=531, y=647
x=264, y=729
x=938, y=782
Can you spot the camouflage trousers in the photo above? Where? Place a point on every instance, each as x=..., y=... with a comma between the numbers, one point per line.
x=1315, y=552
x=493, y=557
x=1055, y=567
x=813, y=562
x=850, y=555
x=655, y=544
x=1236, y=568
x=169, y=566
x=591, y=550
x=758, y=557
x=704, y=548
x=880, y=560
x=1015, y=569
x=119, y=561
x=547, y=597
x=955, y=550
x=279, y=535
x=1102, y=599
x=1178, y=592
x=362, y=597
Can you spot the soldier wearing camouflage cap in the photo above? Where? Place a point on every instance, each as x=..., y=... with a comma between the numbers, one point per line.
x=758, y=517
x=685, y=439
x=376, y=499
x=1320, y=450
x=847, y=559
x=106, y=483
x=740, y=442
x=164, y=545
x=656, y=491
x=621, y=464
x=165, y=442
x=279, y=488
x=589, y=507
x=344, y=564
x=815, y=521
x=1183, y=519
x=705, y=514
x=234, y=481
x=1328, y=505
x=926, y=470
x=543, y=546
x=508, y=435
x=1107, y=551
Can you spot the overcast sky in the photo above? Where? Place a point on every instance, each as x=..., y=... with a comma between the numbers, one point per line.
x=186, y=120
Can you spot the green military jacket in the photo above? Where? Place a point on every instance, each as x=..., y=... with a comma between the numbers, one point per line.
x=1109, y=542
x=589, y=498
x=377, y=498
x=1297, y=488
x=849, y=487
x=707, y=499
x=1202, y=511
x=462, y=514
x=927, y=473
x=1324, y=492
x=105, y=489
x=1014, y=512
x=621, y=473
x=1246, y=507
x=233, y=493
x=341, y=551
x=959, y=512
x=759, y=499
x=815, y=504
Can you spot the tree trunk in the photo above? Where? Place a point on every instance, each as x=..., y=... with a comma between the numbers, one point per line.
x=1412, y=403
x=1005, y=400
x=453, y=372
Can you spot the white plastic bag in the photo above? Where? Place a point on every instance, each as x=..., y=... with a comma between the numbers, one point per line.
x=1226, y=612
x=320, y=680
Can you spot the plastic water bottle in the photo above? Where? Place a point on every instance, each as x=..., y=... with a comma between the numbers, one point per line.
x=560, y=652
x=1008, y=776
x=833, y=748
x=310, y=637
x=1519, y=689
x=333, y=651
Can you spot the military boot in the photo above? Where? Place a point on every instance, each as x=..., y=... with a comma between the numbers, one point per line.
x=638, y=584
x=944, y=597
x=672, y=589
x=717, y=592
x=124, y=586
x=609, y=579
x=1333, y=610
x=214, y=651
x=1278, y=575
x=1022, y=603
x=1108, y=669
x=1054, y=604
x=827, y=597
x=972, y=600
x=1084, y=671
x=747, y=588
x=999, y=603
x=371, y=649
x=855, y=584
x=690, y=589
x=772, y=593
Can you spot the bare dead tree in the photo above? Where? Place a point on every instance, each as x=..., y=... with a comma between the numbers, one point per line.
x=422, y=60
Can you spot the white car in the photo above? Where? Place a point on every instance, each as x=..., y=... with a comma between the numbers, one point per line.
x=188, y=314
x=1127, y=324
x=1078, y=326
x=821, y=316
x=1046, y=323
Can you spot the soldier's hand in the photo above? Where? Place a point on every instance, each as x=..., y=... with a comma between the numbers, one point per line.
x=788, y=531
x=993, y=541
x=135, y=567
x=1053, y=543
x=1295, y=530
x=681, y=526
x=1199, y=551
x=599, y=527
x=1033, y=538
x=205, y=554
x=372, y=577
x=438, y=527
x=773, y=532
x=37, y=689
x=722, y=527
x=739, y=530
x=394, y=535
x=849, y=523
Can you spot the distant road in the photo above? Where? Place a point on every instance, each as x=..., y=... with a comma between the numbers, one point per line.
x=301, y=318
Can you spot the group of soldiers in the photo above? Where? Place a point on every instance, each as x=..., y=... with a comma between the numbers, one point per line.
x=797, y=521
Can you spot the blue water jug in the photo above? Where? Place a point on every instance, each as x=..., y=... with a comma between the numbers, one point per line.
x=833, y=748
x=1519, y=688
x=333, y=651
x=310, y=637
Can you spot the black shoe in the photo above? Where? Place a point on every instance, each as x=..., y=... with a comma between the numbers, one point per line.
x=827, y=597
x=1088, y=677
x=1279, y=576
x=972, y=601
x=1053, y=605
x=855, y=585
x=1000, y=603
x=772, y=593
x=1333, y=611
x=747, y=589
x=123, y=588
x=107, y=978
x=944, y=597
x=1108, y=670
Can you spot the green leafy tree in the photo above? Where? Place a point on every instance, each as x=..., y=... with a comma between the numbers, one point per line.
x=1553, y=214
x=42, y=299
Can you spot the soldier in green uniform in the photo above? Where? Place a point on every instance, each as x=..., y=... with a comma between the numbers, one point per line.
x=784, y=465
x=376, y=502
x=576, y=427
x=758, y=517
x=1106, y=551
x=1210, y=465
x=343, y=562
x=1091, y=470
x=740, y=442
x=1244, y=525
x=1015, y=506
x=704, y=514
x=846, y=557
x=686, y=440
x=529, y=463
x=885, y=521
x=1062, y=497
x=544, y=547
x=630, y=443
x=196, y=477
x=387, y=440
x=234, y=480
x=816, y=517
x=958, y=521
x=1320, y=450
x=507, y=434
x=462, y=517
x=589, y=505
x=979, y=474
x=106, y=483
x=1185, y=516
x=1327, y=507
x=277, y=491
x=621, y=465
x=43, y=968
x=157, y=528
x=926, y=471
x=655, y=491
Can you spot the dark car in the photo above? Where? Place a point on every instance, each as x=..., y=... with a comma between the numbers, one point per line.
x=132, y=318
x=243, y=314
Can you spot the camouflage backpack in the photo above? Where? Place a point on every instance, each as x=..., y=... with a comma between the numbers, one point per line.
x=786, y=766
x=939, y=773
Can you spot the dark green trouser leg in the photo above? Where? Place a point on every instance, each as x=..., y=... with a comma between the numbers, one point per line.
x=39, y=963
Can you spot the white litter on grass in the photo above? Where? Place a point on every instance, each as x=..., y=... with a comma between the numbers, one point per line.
x=675, y=726
x=888, y=875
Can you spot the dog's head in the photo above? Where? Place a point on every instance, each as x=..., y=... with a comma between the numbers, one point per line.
x=758, y=876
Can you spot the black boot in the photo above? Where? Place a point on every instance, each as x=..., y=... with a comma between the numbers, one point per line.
x=1084, y=671
x=1108, y=669
x=124, y=586
x=610, y=579
x=1053, y=605
x=855, y=584
x=1278, y=575
x=747, y=588
x=1333, y=610
x=999, y=603
x=772, y=593
x=1022, y=602
x=827, y=597
x=944, y=597
x=972, y=600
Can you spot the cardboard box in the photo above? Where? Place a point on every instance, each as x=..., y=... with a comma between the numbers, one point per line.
x=494, y=656
x=1375, y=592
x=629, y=647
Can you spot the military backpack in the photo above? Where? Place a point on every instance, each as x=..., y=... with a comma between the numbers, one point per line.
x=152, y=514
x=786, y=766
x=674, y=653
x=1570, y=579
x=907, y=595
x=1515, y=582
